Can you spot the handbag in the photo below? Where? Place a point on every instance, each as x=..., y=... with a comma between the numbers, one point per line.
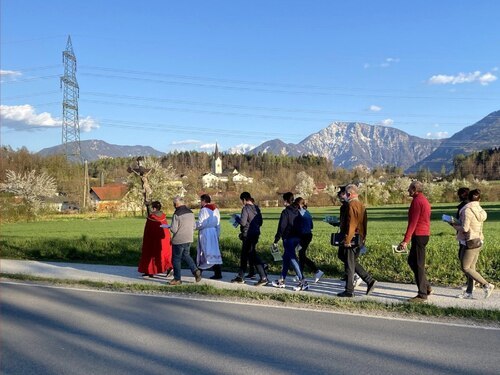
x=473, y=243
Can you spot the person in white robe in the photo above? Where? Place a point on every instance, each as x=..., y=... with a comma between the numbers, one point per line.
x=208, y=253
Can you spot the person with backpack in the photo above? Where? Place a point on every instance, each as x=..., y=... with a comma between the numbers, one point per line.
x=250, y=222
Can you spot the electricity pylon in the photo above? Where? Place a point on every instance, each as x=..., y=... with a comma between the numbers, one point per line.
x=70, y=125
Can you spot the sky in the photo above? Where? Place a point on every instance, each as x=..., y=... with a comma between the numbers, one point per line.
x=184, y=75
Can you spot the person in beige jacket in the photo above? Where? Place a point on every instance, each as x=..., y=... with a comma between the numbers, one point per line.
x=472, y=217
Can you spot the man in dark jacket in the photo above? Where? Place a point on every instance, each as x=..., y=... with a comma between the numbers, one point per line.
x=250, y=222
x=182, y=229
x=290, y=229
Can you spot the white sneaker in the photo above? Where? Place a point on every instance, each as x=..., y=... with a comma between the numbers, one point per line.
x=357, y=280
x=278, y=283
x=301, y=286
x=318, y=275
x=464, y=287
x=465, y=295
x=488, y=289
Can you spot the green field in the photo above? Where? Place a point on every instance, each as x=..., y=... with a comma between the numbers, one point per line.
x=118, y=241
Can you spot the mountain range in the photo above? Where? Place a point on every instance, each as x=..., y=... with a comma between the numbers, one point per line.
x=347, y=145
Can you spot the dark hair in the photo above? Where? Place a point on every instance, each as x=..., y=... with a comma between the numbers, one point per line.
x=474, y=195
x=245, y=196
x=463, y=190
x=288, y=197
x=299, y=201
x=206, y=198
x=156, y=205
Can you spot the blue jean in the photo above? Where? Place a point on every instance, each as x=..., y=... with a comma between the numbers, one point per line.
x=289, y=257
x=181, y=253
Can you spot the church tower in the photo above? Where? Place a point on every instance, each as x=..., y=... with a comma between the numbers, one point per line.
x=216, y=162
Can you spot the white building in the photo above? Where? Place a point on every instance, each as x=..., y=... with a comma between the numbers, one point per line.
x=217, y=176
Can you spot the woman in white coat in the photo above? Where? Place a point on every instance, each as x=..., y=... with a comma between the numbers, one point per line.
x=470, y=236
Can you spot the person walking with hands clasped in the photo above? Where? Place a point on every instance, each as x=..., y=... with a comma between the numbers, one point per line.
x=250, y=222
x=470, y=236
x=182, y=229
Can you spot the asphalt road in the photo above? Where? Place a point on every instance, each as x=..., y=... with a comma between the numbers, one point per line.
x=56, y=330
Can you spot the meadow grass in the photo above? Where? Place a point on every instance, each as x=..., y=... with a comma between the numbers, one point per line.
x=111, y=240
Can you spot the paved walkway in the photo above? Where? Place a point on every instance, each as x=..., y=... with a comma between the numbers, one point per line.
x=384, y=292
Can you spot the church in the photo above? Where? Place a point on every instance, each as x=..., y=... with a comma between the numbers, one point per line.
x=217, y=176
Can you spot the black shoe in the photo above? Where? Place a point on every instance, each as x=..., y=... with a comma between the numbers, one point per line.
x=250, y=275
x=262, y=282
x=147, y=275
x=169, y=272
x=216, y=277
x=371, y=287
x=345, y=294
x=238, y=280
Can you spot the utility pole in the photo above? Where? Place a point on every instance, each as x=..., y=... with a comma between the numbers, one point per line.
x=70, y=125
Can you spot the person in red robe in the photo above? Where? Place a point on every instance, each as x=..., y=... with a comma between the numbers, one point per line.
x=156, y=254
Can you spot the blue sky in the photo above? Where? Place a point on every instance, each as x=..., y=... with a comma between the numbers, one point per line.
x=186, y=74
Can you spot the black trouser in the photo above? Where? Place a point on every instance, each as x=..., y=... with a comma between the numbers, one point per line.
x=351, y=266
x=249, y=254
x=305, y=240
x=416, y=261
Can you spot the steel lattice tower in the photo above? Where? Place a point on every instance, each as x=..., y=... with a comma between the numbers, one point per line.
x=70, y=125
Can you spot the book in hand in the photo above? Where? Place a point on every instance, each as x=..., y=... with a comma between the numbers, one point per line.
x=276, y=253
x=450, y=219
x=235, y=220
x=166, y=226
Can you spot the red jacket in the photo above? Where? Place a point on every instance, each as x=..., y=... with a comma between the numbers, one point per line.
x=419, y=217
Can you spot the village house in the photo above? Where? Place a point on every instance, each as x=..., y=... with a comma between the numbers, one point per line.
x=218, y=176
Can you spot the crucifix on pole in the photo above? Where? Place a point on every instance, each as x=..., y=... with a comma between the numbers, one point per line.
x=143, y=173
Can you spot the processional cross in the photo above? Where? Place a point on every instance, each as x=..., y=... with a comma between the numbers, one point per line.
x=143, y=174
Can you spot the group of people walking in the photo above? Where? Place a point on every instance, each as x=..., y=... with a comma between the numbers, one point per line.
x=295, y=231
x=165, y=246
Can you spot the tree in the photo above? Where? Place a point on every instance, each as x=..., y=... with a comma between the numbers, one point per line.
x=31, y=186
x=305, y=185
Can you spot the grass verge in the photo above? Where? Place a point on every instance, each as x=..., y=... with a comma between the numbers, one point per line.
x=299, y=300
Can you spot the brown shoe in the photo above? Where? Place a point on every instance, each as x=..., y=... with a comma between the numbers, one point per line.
x=197, y=276
x=175, y=282
x=429, y=291
x=417, y=299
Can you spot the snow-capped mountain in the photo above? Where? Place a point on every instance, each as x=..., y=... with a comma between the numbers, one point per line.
x=349, y=144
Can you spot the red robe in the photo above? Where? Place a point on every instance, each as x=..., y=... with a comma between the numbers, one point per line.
x=156, y=254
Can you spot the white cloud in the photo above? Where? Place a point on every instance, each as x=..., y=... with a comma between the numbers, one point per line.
x=387, y=122
x=437, y=135
x=388, y=61
x=375, y=108
x=210, y=146
x=186, y=142
x=443, y=79
x=25, y=118
x=12, y=74
x=87, y=124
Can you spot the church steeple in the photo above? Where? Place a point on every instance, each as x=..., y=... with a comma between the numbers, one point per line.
x=217, y=161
